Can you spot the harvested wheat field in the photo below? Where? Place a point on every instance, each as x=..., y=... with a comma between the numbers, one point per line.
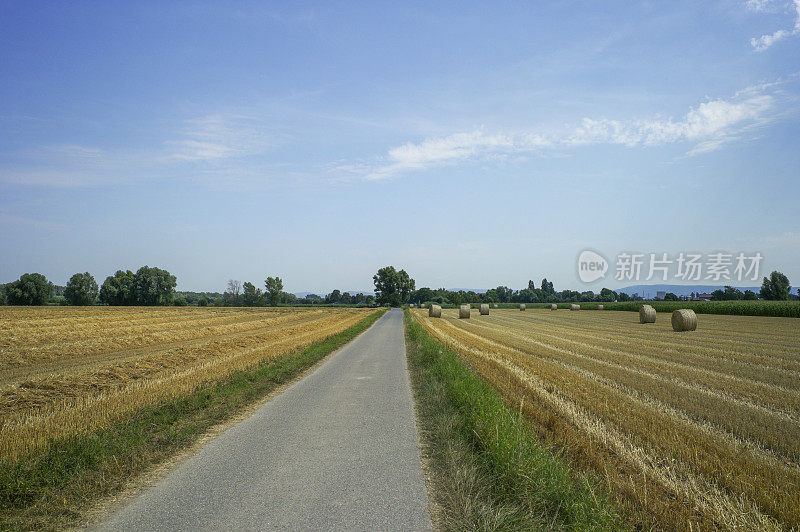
x=695, y=429
x=68, y=370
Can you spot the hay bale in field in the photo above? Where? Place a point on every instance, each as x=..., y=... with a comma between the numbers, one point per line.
x=574, y=306
x=494, y=306
x=484, y=309
x=464, y=311
x=553, y=306
x=647, y=314
x=435, y=311
x=522, y=306
x=599, y=307
x=411, y=305
x=684, y=319
x=423, y=305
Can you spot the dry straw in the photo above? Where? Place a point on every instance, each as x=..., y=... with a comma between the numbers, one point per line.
x=435, y=311
x=522, y=306
x=574, y=306
x=553, y=306
x=684, y=319
x=463, y=311
x=647, y=314
x=484, y=309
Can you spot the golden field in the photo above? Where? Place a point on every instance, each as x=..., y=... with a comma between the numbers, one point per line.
x=693, y=430
x=68, y=370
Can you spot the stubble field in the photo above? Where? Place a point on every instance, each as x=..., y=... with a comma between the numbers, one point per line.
x=64, y=371
x=698, y=429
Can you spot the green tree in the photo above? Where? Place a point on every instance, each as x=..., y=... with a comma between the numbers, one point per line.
x=252, y=296
x=81, y=289
x=154, y=286
x=3, y=299
x=392, y=287
x=334, y=297
x=547, y=288
x=669, y=296
x=504, y=293
x=119, y=289
x=749, y=295
x=274, y=287
x=777, y=287
x=607, y=295
x=30, y=289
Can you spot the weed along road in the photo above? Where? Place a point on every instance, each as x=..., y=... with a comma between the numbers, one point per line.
x=336, y=450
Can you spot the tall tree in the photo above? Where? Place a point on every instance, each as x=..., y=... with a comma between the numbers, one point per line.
x=776, y=287
x=252, y=296
x=81, y=289
x=233, y=293
x=154, y=286
x=119, y=289
x=274, y=287
x=392, y=287
x=30, y=289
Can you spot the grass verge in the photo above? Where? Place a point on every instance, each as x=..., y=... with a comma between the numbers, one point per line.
x=487, y=471
x=54, y=490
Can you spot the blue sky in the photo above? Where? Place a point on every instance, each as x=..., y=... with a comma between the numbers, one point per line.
x=471, y=144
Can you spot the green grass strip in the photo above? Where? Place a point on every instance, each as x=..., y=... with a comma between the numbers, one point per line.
x=54, y=490
x=488, y=470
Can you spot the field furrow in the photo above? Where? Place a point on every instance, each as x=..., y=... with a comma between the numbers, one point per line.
x=726, y=436
x=71, y=397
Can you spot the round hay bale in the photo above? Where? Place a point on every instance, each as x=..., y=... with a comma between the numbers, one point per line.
x=684, y=319
x=599, y=307
x=494, y=306
x=553, y=306
x=411, y=305
x=484, y=309
x=574, y=306
x=423, y=305
x=463, y=312
x=522, y=306
x=435, y=311
x=647, y=314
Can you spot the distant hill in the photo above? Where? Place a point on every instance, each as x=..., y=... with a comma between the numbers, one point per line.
x=649, y=290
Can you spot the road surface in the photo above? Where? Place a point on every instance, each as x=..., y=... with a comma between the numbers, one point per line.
x=336, y=450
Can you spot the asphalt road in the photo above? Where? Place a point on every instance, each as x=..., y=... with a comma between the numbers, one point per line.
x=336, y=450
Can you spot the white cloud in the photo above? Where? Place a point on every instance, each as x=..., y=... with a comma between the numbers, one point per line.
x=767, y=40
x=707, y=126
x=220, y=137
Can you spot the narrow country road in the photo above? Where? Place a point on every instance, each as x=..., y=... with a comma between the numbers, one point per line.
x=336, y=450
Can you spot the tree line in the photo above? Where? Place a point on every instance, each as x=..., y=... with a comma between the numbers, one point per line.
x=156, y=287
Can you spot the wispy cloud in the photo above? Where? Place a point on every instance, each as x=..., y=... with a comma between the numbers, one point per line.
x=707, y=126
x=768, y=39
x=217, y=137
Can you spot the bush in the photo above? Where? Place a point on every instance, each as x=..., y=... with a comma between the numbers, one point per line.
x=180, y=302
